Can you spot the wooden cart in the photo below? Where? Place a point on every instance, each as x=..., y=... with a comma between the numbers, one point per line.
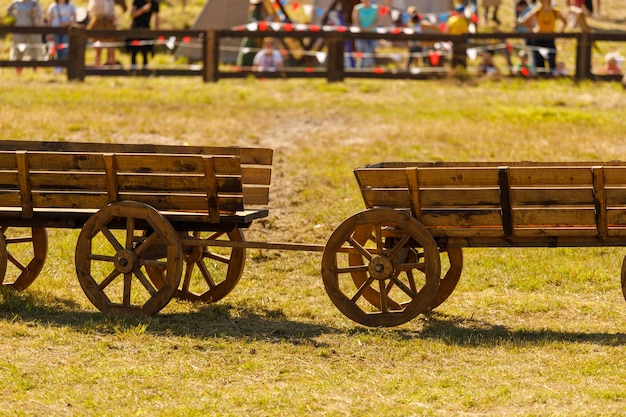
x=147, y=215
x=383, y=266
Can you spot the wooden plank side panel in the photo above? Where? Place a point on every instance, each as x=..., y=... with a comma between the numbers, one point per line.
x=10, y=198
x=8, y=162
x=457, y=219
x=398, y=198
x=256, y=175
x=381, y=178
x=68, y=180
x=459, y=197
x=554, y=217
x=69, y=200
x=548, y=175
x=615, y=197
x=158, y=163
x=189, y=183
x=551, y=196
x=62, y=161
x=9, y=180
x=615, y=175
x=458, y=177
x=256, y=196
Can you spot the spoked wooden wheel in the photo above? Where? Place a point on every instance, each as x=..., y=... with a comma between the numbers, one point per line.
x=3, y=258
x=451, y=263
x=111, y=264
x=210, y=273
x=624, y=277
x=403, y=281
x=450, y=279
x=26, y=250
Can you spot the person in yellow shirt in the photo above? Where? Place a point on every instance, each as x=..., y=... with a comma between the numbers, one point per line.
x=458, y=23
x=546, y=18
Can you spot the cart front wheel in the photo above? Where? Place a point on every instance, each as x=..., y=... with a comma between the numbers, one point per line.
x=115, y=247
x=210, y=273
x=377, y=246
x=26, y=250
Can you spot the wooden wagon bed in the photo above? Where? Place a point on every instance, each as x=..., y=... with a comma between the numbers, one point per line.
x=147, y=215
x=419, y=212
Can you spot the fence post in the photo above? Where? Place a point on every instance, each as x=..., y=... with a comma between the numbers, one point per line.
x=335, y=60
x=76, y=54
x=211, y=56
x=583, y=56
x=459, y=51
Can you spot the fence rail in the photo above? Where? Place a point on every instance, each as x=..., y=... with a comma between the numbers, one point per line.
x=333, y=44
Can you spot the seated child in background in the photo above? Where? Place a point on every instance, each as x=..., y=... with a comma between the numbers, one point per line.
x=522, y=67
x=268, y=58
x=487, y=66
x=612, y=64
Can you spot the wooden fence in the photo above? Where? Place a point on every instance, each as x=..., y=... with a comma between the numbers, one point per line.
x=333, y=43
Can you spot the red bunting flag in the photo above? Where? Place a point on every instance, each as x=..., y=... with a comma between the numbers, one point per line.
x=384, y=10
x=309, y=70
x=379, y=70
x=187, y=39
x=161, y=39
x=295, y=5
x=135, y=42
x=509, y=47
x=525, y=72
x=434, y=58
x=288, y=27
x=314, y=28
x=262, y=26
x=359, y=55
x=443, y=27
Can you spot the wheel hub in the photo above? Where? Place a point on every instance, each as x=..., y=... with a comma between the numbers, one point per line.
x=380, y=267
x=125, y=261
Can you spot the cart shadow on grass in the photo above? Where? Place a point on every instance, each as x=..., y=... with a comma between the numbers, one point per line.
x=226, y=320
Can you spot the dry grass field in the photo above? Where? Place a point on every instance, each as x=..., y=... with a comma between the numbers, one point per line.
x=528, y=332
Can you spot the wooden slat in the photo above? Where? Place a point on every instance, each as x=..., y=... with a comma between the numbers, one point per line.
x=534, y=177
x=394, y=178
x=147, y=163
x=8, y=161
x=183, y=202
x=614, y=175
x=165, y=183
x=545, y=232
x=256, y=196
x=10, y=198
x=58, y=180
x=394, y=198
x=414, y=192
x=553, y=217
x=112, y=186
x=60, y=161
x=9, y=179
x=463, y=218
x=550, y=196
x=256, y=175
x=458, y=177
x=615, y=197
x=470, y=198
x=615, y=217
x=211, y=188
x=76, y=200
x=230, y=203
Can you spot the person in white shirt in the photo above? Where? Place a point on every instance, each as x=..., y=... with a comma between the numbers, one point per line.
x=268, y=58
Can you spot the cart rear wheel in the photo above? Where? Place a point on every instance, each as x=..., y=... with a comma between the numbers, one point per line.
x=450, y=279
x=3, y=258
x=210, y=274
x=624, y=277
x=386, y=266
x=26, y=250
x=111, y=264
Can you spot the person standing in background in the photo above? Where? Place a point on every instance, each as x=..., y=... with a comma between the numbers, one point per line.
x=250, y=46
x=26, y=13
x=365, y=16
x=142, y=12
x=546, y=17
x=61, y=14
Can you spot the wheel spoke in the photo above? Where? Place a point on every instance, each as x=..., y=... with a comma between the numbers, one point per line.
x=206, y=274
x=356, y=245
x=108, y=280
x=411, y=278
x=145, y=282
x=128, y=281
x=216, y=257
x=350, y=269
x=384, y=294
x=15, y=262
x=112, y=239
x=103, y=258
x=15, y=240
x=409, y=266
x=153, y=262
x=146, y=244
x=398, y=246
x=187, y=278
x=379, y=238
x=402, y=286
x=359, y=293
